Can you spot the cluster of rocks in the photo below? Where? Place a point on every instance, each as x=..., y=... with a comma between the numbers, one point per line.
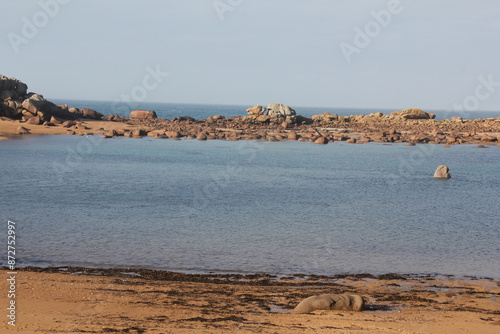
x=17, y=103
x=275, y=122
x=273, y=109
x=322, y=129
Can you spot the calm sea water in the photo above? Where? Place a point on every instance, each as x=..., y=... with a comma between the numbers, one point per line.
x=251, y=206
x=201, y=111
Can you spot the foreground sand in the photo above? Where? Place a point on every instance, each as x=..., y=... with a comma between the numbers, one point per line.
x=113, y=302
x=8, y=128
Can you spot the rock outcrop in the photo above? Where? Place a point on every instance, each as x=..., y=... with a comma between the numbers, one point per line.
x=410, y=126
x=278, y=109
x=412, y=114
x=17, y=103
x=442, y=172
x=11, y=88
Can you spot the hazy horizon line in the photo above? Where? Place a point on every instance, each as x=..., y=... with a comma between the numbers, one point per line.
x=248, y=105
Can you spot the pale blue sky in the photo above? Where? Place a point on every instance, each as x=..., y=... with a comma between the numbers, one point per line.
x=430, y=55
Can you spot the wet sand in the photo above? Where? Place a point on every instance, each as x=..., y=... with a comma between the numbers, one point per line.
x=79, y=300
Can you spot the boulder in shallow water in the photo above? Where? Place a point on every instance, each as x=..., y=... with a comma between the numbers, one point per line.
x=321, y=140
x=442, y=172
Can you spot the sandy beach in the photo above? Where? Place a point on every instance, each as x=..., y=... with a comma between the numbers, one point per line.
x=79, y=300
x=8, y=128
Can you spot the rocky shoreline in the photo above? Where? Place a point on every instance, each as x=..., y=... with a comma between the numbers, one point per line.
x=33, y=114
x=266, y=279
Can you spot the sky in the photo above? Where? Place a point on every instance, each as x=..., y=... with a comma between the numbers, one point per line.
x=395, y=54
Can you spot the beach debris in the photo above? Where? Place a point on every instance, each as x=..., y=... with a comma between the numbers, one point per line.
x=341, y=302
x=442, y=172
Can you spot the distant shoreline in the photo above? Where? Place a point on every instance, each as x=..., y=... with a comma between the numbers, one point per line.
x=172, y=109
x=320, y=129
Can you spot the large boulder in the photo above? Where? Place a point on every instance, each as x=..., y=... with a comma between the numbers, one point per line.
x=442, y=172
x=14, y=85
x=256, y=110
x=37, y=105
x=278, y=109
x=37, y=120
x=143, y=114
x=7, y=94
x=89, y=113
x=341, y=302
x=17, y=103
x=412, y=114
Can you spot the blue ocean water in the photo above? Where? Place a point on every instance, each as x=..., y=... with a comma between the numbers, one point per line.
x=252, y=206
x=202, y=111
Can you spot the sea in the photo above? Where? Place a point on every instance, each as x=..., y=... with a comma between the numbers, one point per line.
x=250, y=206
x=202, y=111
